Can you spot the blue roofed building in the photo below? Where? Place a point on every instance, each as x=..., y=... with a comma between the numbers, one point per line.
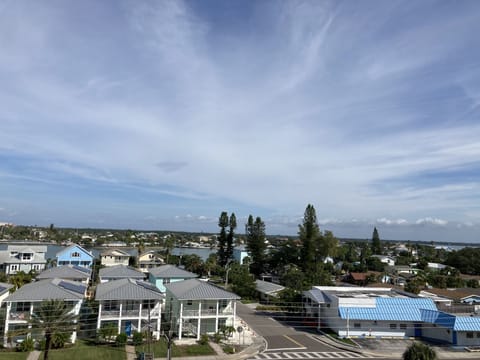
x=361, y=311
x=452, y=329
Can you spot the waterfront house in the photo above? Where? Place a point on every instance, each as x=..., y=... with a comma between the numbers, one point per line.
x=194, y=307
x=267, y=290
x=75, y=255
x=129, y=304
x=148, y=260
x=4, y=291
x=113, y=257
x=21, y=304
x=166, y=274
x=22, y=258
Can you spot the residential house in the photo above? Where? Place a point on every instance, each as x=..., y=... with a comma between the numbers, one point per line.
x=67, y=272
x=113, y=257
x=74, y=255
x=166, y=274
x=385, y=259
x=119, y=272
x=21, y=304
x=148, y=260
x=195, y=307
x=267, y=290
x=22, y=258
x=130, y=304
x=366, y=311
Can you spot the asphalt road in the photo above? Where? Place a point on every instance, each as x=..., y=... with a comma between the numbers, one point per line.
x=286, y=342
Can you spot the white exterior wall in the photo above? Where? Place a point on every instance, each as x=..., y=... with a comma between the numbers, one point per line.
x=463, y=340
x=113, y=260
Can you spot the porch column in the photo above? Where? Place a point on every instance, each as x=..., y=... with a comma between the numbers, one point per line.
x=180, y=321
x=234, y=312
x=199, y=319
x=216, y=319
x=7, y=317
x=159, y=317
x=120, y=319
x=99, y=320
x=139, y=327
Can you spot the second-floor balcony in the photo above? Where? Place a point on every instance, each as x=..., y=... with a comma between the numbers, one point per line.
x=207, y=312
x=19, y=315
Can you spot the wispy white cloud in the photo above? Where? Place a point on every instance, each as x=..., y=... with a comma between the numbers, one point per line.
x=354, y=111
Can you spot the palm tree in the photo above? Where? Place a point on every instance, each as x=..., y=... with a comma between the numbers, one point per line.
x=419, y=351
x=53, y=316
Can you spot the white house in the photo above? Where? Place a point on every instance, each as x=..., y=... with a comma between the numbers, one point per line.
x=4, y=291
x=240, y=253
x=148, y=260
x=194, y=307
x=22, y=303
x=130, y=304
x=113, y=257
x=22, y=258
x=385, y=259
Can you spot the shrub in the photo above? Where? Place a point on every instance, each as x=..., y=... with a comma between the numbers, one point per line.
x=26, y=345
x=121, y=339
x=203, y=339
x=137, y=338
x=228, y=349
x=217, y=337
x=59, y=339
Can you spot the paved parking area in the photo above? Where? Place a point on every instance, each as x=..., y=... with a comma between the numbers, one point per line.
x=384, y=345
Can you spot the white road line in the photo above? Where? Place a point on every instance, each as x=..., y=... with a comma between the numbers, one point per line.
x=307, y=355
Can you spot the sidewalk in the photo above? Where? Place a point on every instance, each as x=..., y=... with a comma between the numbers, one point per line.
x=34, y=355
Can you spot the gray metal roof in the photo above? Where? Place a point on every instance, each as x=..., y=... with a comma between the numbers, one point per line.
x=66, y=272
x=268, y=288
x=171, y=271
x=127, y=289
x=317, y=295
x=49, y=289
x=195, y=289
x=120, y=272
x=31, y=248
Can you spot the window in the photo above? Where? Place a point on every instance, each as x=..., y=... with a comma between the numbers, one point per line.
x=189, y=302
x=223, y=303
x=27, y=256
x=357, y=325
x=130, y=305
x=403, y=326
x=111, y=305
x=13, y=267
x=469, y=335
x=23, y=306
x=148, y=304
x=75, y=254
x=222, y=322
x=393, y=326
x=166, y=281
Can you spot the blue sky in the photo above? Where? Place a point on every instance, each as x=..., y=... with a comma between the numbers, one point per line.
x=162, y=114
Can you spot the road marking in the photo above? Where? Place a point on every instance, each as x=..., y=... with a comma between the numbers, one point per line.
x=308, y=355
x=294, y=341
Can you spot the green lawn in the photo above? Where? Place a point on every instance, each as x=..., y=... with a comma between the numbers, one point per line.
x=159, y=349
x=83, y=350
x=13, y=355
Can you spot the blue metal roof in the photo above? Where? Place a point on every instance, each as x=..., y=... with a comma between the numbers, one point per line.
x=457, y=323
x=395, y=309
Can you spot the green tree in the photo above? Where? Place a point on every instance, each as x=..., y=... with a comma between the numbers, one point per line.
x=193, y=263
x=222, y=239
x=309, y=233
x=256, y=245
x=419, y=351
x=241, y=280
x=211, y=264
x=53, y=316
x=327, y=245
x=376, y=244
x=230, y=238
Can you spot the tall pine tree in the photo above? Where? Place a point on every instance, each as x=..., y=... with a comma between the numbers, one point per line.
x=222, y=239
x=309, y=232
x=376, y=244
x=256, y=245
x=230, y=238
